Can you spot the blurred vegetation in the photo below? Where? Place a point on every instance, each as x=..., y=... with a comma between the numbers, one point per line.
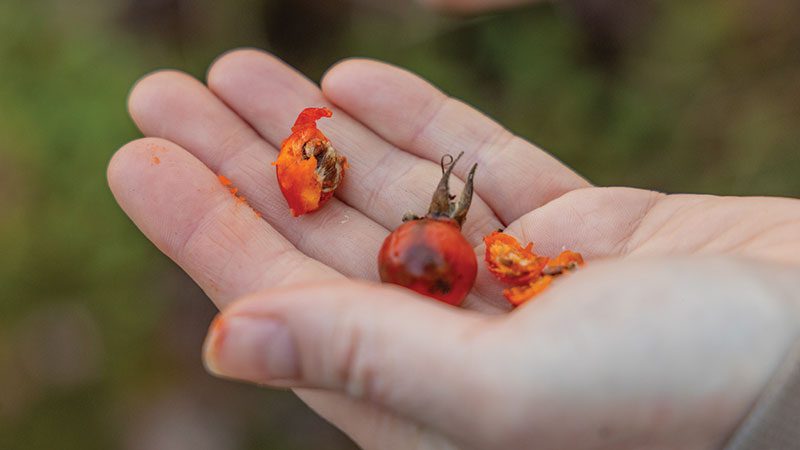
x=100, y=334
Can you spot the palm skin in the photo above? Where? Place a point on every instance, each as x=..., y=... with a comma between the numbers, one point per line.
x=575, y=369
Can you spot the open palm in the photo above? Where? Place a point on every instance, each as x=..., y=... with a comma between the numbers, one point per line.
x=394, y=128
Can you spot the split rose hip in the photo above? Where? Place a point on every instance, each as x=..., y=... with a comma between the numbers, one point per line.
x=510, y=262
x=308, y=167
x=429, y=255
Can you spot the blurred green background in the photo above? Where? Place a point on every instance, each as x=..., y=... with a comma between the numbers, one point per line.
x=100, y=334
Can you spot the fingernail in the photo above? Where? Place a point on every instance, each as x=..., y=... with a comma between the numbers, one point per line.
x=257, y=349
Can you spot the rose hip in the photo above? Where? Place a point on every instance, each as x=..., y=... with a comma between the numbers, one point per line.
x=309, y=169
x=429, y=255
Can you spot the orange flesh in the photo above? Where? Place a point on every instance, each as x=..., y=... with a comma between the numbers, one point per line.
x=529, y=273
x=518, y=295
x=510, y=262
x=566, y=259
x=297, y=175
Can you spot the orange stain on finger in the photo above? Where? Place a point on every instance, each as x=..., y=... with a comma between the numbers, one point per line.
x=224, y=180
x=156, y=148
x=216, y=333
x=240, y=199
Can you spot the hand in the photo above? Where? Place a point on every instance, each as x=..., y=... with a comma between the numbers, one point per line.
x=643, y=348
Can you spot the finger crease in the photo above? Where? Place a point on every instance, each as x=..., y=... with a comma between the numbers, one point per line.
x=436, y=104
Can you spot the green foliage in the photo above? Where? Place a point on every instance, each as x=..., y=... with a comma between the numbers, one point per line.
x=678, y=96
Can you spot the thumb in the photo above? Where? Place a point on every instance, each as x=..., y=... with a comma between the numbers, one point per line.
x=376, y=343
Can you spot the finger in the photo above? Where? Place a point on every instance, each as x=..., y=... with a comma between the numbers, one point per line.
x=419, y=359
x=176, y=107
x=216, y=238
x=597, y=222
x=383, y=182
x=413, y=115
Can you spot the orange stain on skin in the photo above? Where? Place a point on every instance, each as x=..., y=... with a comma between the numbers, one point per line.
x=240, y=199
x=217, y=331
x=153, y=149
x=156, y=148
x=229, y=185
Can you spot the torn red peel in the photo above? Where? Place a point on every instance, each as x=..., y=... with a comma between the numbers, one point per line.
x=308, y=168
x=528, y=273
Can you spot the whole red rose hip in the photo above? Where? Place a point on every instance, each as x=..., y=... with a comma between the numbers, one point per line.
x=429, y=255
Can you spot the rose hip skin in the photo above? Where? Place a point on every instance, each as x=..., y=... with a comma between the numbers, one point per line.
x=430, y=255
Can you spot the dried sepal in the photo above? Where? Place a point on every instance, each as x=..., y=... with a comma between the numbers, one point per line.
x=442, y=204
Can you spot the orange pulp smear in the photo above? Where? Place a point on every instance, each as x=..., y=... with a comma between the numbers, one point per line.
x=233, y=190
